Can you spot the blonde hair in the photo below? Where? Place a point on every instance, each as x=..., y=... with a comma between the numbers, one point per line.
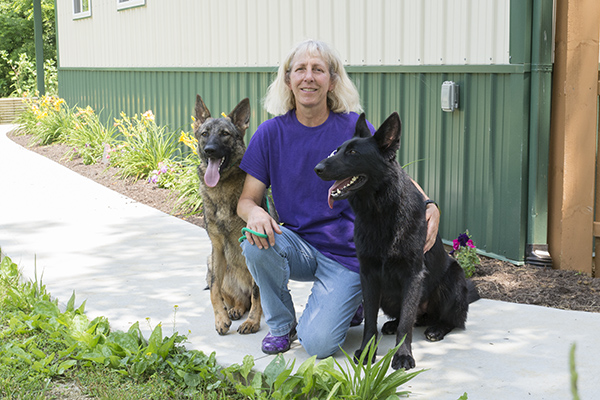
x=342, y=99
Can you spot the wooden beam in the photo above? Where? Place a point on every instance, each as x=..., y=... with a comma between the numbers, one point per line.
x=595, y=271
x=573, y=134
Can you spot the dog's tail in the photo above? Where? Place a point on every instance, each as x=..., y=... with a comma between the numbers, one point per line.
x=472, y=293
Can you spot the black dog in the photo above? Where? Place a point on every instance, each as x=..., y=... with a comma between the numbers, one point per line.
x=389, y=232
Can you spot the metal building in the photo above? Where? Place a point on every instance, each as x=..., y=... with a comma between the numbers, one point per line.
x=485, y=163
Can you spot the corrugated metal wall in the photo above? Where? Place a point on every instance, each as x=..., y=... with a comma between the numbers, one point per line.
x=171, y=95
x=251, y=33
x=471, y=160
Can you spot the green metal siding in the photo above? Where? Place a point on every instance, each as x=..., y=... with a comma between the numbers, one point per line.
x=171, y=95
x=473, y=161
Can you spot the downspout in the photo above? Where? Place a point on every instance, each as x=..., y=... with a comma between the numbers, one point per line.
x=536, y=251
x=39, y=46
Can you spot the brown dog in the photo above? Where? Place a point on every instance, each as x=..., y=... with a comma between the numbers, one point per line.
x=220, y=148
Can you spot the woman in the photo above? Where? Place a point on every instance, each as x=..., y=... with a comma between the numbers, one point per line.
x=316, y=106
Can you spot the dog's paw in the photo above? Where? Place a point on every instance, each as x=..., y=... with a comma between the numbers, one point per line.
x=236, y=313
x=358, y=354
x=248, y=327
x=222, y=325
x=390, y=327
x=435, y=333
x=405, y=361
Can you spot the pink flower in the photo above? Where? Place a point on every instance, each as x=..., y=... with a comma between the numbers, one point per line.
x=455, y=244
x=470, y=244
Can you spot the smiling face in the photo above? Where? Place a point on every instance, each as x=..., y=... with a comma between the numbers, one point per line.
x=310, y=81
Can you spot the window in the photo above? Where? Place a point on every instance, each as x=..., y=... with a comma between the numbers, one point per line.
x=81, y=9
x=123, y=4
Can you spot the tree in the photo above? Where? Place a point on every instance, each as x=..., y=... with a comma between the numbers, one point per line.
x=17, y=36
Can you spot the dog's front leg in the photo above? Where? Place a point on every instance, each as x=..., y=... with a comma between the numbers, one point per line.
x=252, y=324
x=412, y=289
x=219, y=266
x=370, y=281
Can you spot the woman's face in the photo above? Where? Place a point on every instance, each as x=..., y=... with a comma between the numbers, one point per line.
x=310, y=81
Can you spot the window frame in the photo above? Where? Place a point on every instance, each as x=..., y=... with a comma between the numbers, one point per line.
x=126, y=4
x=83, y=13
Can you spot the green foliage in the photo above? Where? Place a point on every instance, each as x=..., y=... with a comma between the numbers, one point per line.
x=574, y=376
x=326, y=379
x=48, y=119
x=39, y=343
x=187, y=185
x=465, y=252
x=17, y=39
x=144, y=147
x=88, y=138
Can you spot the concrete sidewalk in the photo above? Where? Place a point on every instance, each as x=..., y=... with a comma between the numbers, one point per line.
x=131, y=262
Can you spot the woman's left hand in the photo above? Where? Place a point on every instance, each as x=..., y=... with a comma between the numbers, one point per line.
x=432, y=215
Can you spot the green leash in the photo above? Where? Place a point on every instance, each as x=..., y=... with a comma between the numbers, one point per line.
x=244, y=229
x=261, y=235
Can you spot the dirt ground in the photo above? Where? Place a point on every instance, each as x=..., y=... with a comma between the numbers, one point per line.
x=494, y=279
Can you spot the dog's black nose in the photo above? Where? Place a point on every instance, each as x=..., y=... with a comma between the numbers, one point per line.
x=319, y=168
x=211, y=150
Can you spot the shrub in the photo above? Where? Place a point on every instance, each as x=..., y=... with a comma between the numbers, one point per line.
x=144, y=145
x=48, y=119
x=88, y=137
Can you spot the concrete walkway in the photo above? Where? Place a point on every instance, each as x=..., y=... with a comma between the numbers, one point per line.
x=134, y=263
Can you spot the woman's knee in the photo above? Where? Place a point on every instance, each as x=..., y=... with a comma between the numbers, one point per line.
x=320, y=343
x=260, y=259
x=253, y=255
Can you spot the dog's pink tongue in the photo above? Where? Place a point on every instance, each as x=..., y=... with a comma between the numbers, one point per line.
x=329, y=198
x=336, y=185
x=211, y=176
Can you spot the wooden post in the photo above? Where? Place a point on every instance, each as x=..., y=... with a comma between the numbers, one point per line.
x=597, y=205
x=573, y=134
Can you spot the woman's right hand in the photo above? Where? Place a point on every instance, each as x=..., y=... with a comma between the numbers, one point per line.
x=260, y=221
x=257, y=219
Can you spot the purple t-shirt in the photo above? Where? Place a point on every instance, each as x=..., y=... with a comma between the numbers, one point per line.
x=282, y=154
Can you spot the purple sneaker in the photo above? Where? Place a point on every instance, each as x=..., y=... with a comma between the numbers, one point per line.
x=278, y=344
x=358, y=316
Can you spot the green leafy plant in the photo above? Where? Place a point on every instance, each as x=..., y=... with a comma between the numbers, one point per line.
x=189, y=201
x=370, y=381
x=88, y=137
x=326, y=379
x=39, y=342
x=573, y=370
x=144, y=145
x=48, y=119
x=23, y=75
x=465, y=252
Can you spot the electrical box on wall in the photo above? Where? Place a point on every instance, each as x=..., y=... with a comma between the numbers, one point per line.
x=449, y=96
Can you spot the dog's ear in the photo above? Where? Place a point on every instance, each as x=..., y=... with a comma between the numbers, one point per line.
x=388, y=136
x=202, y=113
x=362, y=130
x=240, y=115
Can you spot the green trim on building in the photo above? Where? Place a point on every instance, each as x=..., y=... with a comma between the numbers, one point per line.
x=520, y=31
x=401, y=69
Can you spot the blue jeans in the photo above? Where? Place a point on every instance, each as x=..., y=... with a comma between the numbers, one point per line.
x=334, y=297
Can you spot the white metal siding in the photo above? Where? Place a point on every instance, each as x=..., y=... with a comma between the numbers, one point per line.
x=248, y=33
